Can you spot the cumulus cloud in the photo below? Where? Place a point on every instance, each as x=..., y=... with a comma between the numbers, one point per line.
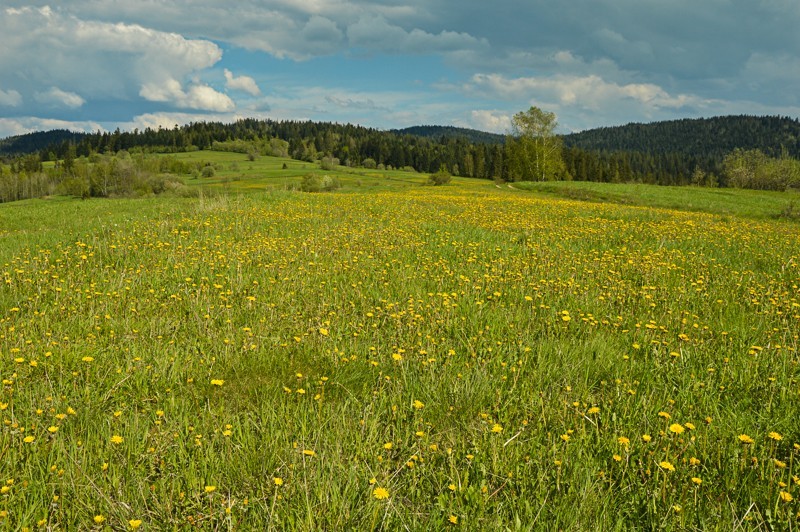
x=242, y=83
x=200, y=97
x=492, y=121
x=374, y=32
x=59, y=98
x=10, y=98
x=95, y=59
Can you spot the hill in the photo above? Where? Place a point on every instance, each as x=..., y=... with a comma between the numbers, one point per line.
x=449, y=132
x=710, y=138
x=33, y=142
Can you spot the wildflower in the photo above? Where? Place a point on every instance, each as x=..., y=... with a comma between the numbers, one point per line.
x=565, y=437
x=451, y=487
x=694, y=461
x=497, y=428
x=667, y=466
x=778, y=463
x=117, y=439
x=52, y=430
x=278, y=481
x=418, y=405
x=323, y=332
x=217, y=382
x=775, y=436
x=387, y=445
x=697, y=480
x=665, y=415
x=210, y=489
x=453, y=519
x=745, y=439
x=786, y=496
x=646, y=438
x=593, y=410
x=622, y=440
x=135, y=523
x=689, y=426
x=88, y=359
x=676, y=428
x=309, y=452
x=99, y=519
x=617, y=458
x=28, y=439
x=380, y=493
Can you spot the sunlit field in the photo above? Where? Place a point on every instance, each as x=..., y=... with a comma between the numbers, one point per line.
x=395, y=356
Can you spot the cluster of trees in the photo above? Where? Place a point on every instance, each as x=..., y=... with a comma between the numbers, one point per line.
x=120, y=174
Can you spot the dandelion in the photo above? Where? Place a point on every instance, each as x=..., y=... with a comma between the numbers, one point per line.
x=99, y=519
x=135, y=523
x=617, y=458
x=666, y=466
x=665, y=415
x=745, y=439
x=217, y=382
x=116, y=439
x=786, y=496
x=694, y=461
x=28, y=439
x=380, y=493
x=496, y=428
x=593, y=410
x=210, y=489
x=278, y=481
x=88, y=359
x=309, y=452
x=689, y=426
x=775, y=436
x=622, y=440
x=697, y=481
x=676, y=428
x=323, y=331
x=565, y=437
x=453, y=519
x=52, y=430
x=387, y=445
x=778, y=463
x=418, y=405
x=646, y=438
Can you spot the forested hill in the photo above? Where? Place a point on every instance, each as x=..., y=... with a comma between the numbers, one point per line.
x=33, y=142
x=710, y=138
x=449, y=132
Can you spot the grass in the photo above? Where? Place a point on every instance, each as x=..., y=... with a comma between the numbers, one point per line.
x=753, y=204
x=396, y=356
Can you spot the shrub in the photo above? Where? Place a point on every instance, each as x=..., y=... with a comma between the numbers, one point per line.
x=442, y=177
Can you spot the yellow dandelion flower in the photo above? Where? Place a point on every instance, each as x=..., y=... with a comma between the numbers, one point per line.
x=453, y=519
x=116, y=439
x=594, y=410
x=496, y=428
x=745, y=439
x=786, y=496
x=99, y=519
x=617, y=458
x=565, y=437
x=646, y=438
x=689, y=426
x=323, y=331
x=28, y=439
x=309, y=452
x=622, y=440
x=387, y=445
x=694, y=461
x=217, y=382
x=666, y=466
x=88, y=359
x=135, y=523
x=676, y=428
x=210, y=489
x=52, y=430
x=417, y=404
x=697, y=480
x=778, y=463
x=451, y=487
x=380, y=493
x=278, y=481
x=665, y=415
x=775, y=436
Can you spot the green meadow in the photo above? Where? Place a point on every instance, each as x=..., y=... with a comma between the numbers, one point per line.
x=392, y=355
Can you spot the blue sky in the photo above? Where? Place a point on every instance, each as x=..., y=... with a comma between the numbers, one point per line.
x=102, y=64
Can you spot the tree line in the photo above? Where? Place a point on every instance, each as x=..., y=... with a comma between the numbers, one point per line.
x=684, y=152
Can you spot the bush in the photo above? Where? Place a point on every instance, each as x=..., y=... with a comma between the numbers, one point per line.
x=329, y=163
x=208, y=171
x=442, y=177
x=315, y=183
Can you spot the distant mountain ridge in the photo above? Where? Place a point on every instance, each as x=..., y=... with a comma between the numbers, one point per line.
x=38, y=140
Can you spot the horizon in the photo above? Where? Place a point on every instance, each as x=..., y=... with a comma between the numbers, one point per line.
x=102, y=65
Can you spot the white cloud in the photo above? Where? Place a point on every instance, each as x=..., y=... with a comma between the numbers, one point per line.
x=200, y=97
x=492, y=121
x=242, y=83
x=59, y=98
x=50, y=47
x=10, y=98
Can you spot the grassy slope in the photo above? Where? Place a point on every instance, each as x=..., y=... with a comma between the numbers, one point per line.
x=507, y=315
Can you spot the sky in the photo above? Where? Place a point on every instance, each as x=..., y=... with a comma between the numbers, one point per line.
x=93, y=65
